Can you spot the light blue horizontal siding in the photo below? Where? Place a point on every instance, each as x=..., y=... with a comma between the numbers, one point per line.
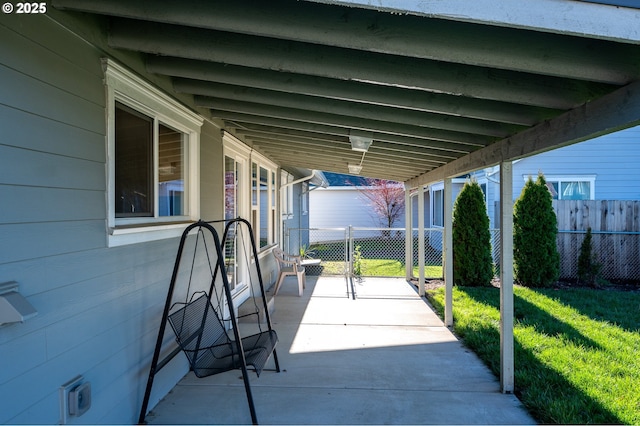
x=33, y=132
x=98, y=308
x=27, y=241
x=39, y=98
x=63, y=204
x=612, y=158
x=53, y=59
x=31, y=168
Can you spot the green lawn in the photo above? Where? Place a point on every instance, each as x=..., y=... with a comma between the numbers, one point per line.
x=381, y=268
x=577, y=351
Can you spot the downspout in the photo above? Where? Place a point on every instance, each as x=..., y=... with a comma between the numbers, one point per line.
x=304, y=179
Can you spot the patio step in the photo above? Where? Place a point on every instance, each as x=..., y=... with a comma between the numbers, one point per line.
x=249, y=307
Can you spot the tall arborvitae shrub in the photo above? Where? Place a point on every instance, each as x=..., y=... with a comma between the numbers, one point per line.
x=535, y=228
x=588, y=266
x=472, y=262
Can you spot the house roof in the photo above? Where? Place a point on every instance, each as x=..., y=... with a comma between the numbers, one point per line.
x=443, y=88
x=342, y=180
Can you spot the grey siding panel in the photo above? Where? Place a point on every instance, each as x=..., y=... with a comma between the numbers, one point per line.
x=211, y=173
x=98, y=308
x=44, y=32
x=44, y=65
x=39, y=204
x=46, y=239
x=28, y=94
x=25, y=352
x=26, y=167
x=103, y=327
x=34, y=132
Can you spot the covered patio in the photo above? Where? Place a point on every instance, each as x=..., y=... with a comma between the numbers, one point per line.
x=381, y=357
x=435, y=89
x=256, y=90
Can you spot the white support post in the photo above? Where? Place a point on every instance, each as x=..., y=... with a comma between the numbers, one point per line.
x=421, y=291
x=448, y=252
x=408, y=241
x=506, y=278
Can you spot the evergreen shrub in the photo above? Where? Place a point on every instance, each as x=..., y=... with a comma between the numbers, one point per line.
x=588, y=266
x=535, y=229
x=472, y=262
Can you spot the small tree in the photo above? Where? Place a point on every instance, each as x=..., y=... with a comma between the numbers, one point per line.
x=588, y=266
x=535, y=228
x=386, y=199
x=472, y=262
x=357, y=262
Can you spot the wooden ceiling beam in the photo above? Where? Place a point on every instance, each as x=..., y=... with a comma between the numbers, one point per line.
x=346, y=64
x=418, y=100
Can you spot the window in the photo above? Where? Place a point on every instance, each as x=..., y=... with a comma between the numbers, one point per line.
x=232, y=176
x=264, y=206
x=236, y=205
x=286, y=202
x=152, y=172
x=571, y=187
x=263, y=203
x=135, y=174
x=437, y=205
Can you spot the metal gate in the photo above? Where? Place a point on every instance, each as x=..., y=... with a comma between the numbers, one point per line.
x=364, y=251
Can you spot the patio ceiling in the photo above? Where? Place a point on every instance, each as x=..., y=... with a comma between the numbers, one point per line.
x=441, y=92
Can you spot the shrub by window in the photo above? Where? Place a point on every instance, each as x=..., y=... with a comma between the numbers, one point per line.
x=535, y=228
x=472, y=262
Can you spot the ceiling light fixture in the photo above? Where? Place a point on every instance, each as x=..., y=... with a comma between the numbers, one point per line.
x=355, y=169
x=360, y=141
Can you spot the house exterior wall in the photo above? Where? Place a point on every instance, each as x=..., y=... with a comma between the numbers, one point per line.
x=612, y=158
x=339, y=207
x=99, y=308
x=299, y=219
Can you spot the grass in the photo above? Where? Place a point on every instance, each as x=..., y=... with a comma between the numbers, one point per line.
x=380, y=268
x=577, y=351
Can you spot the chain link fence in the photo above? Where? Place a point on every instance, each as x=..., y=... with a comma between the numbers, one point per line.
x=382, y=251
x=328, y=244
x=617, y=253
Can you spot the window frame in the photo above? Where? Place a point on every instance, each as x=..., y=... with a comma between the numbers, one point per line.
x=270, y=210
x=432, y=191
x=126, y=88
x=559, y=179
x=286, y=192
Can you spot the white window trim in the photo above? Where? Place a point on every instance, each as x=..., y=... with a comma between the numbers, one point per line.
x=434, y=188
x=571, y=178
x=286, y=200
x=125, y=87
x=272, y=227
x=234, y=148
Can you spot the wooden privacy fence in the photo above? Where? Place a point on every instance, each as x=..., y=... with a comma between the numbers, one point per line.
x=615, y=225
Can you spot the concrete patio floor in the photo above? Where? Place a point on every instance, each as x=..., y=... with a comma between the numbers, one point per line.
x=383, y=358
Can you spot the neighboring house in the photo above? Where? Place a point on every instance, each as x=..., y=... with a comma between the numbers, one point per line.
x=603, y=168
x=341, y=204
x=90, y=230
x=579, y=171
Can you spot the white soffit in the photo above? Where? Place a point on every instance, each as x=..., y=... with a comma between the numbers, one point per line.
x=579, y=18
